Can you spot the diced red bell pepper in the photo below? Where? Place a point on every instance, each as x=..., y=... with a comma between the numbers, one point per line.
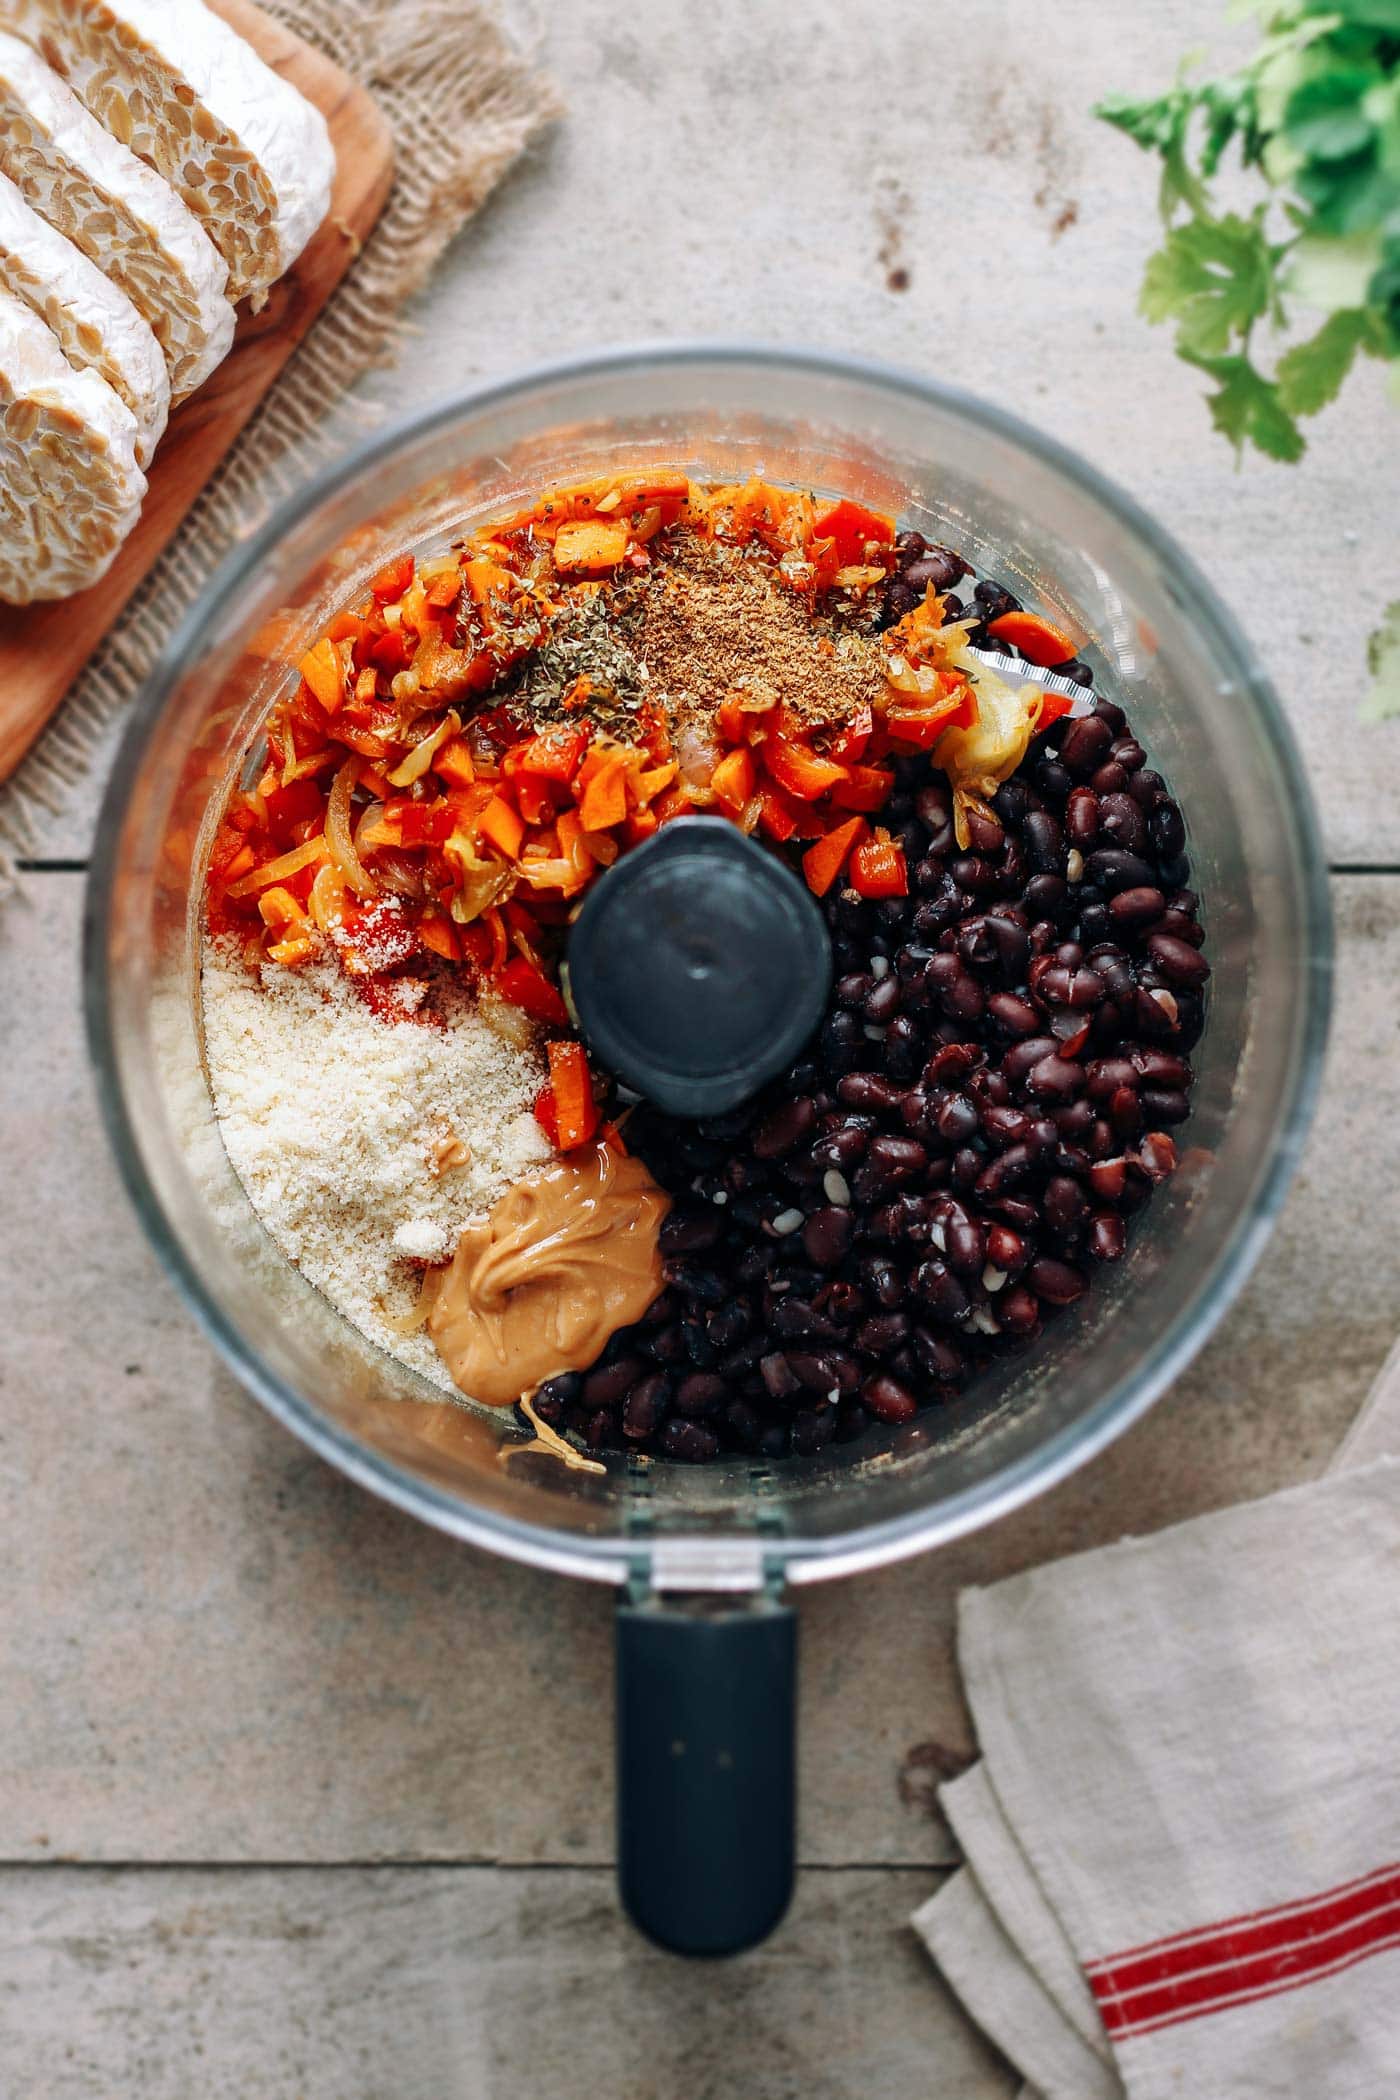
x=392, y=651
x=744, y=725
x=422, y=823
x=919, y=728
x=1054, y=707
x=529, y=989
x=547, y=1115
x=393, y=579
x=878, y=869
x=851, y=742
x=571, y=1083
x=866, y=788
x=777, y=814
x=800, y=771
x=1039, y=640
x=292, y=805
x=823, y=862
x=850, y=526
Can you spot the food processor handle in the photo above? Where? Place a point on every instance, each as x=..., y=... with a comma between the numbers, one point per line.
x=706, y=1731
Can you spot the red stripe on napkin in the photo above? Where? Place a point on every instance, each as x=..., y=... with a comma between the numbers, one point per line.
x=1253, y=1956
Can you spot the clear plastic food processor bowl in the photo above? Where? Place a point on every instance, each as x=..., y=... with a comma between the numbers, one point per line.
x=1022, y=510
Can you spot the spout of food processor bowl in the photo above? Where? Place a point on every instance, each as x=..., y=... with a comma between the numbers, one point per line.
x=698, y=967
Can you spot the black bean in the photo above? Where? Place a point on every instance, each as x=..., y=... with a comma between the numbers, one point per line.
x=1082, y=816
x=888, y=1400
x=1014, y=1015
x=1045, y=843
x=605, y=1387
x=1022, y=1057
x=690, y=1442
x=1110, y=779
x=1122, y=822
x=1135, y=908
x=1055, y=1078
x=1065, y=1206
x=785, y=1127
x=882, y=1001
x=882, y=1332
x=1056, y=1281
x=1164, y=1105
x=1084, y=745
x=940, y=1290
x=1178, y=963
x=811, y=1428
x=828, y=1233
x=966, y=1248
x=842, y=1042
x=1107, y=1236
x=867, y=1090
x=1018, y=1312
x=1116, y=870
x=1006, y=1250
x=1166, y=830
x=645, y=1406
x=957, y=1119
x=700, y=1393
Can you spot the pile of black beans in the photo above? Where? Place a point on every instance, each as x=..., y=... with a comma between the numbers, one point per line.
x=989, y=1099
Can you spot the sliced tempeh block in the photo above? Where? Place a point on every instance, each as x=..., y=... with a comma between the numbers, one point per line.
x=70, y=488
x=97, y=327
x=122, y=216
x=250, y=156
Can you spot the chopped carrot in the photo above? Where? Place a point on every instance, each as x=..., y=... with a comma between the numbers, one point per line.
x=454, y=762
x=639, y=825
x=572, y=1086
x=589, y=547
x=823, y=862
x=322, y=670
x=733, y=781
x=485, y=580
x=653, y=779
x=440, y=936
x=502, y=826
x=604, y=797
x=444, y=589
x=1038, y=639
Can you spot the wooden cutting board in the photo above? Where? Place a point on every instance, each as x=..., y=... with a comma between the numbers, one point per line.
x=44, y=647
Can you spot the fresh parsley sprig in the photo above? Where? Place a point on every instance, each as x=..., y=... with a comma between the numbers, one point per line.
x=1315, y=113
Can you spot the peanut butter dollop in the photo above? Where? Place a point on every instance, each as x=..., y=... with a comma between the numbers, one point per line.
x=563, y=1260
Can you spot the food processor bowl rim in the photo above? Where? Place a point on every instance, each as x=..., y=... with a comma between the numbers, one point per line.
x=805, y=1559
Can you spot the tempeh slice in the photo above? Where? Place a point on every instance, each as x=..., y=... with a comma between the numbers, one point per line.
x=250, y=156
x=96, y=326
x=122, y=216
x=70, y=488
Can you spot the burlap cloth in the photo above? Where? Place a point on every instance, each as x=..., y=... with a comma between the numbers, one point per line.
x=464, y=99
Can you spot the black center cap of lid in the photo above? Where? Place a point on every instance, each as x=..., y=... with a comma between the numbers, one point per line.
x=698, y=967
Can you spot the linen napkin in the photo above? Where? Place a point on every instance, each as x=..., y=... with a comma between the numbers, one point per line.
x=1183, y=1840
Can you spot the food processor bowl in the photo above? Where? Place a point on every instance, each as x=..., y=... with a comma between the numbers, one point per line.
x=1069, y=545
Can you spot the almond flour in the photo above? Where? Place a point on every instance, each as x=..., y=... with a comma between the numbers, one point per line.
x=366, y=1144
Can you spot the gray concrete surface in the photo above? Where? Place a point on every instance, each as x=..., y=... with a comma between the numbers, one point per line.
x=302, y=1800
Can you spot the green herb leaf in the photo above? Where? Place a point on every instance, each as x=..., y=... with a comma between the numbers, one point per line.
x=1161, y=126
x=1383, y=662
x=1369, y=14
x=1310, y=374
x=1246, y=407
x=1214, y=278
x=1325, y=119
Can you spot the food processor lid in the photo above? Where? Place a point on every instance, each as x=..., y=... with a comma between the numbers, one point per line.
x=698, y=966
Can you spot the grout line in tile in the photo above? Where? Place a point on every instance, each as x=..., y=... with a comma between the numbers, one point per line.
x=419, y=1866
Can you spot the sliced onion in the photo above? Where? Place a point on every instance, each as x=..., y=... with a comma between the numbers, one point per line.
x=338, y=832
x=396, y=873
x=278, y=870
x=422, y=755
